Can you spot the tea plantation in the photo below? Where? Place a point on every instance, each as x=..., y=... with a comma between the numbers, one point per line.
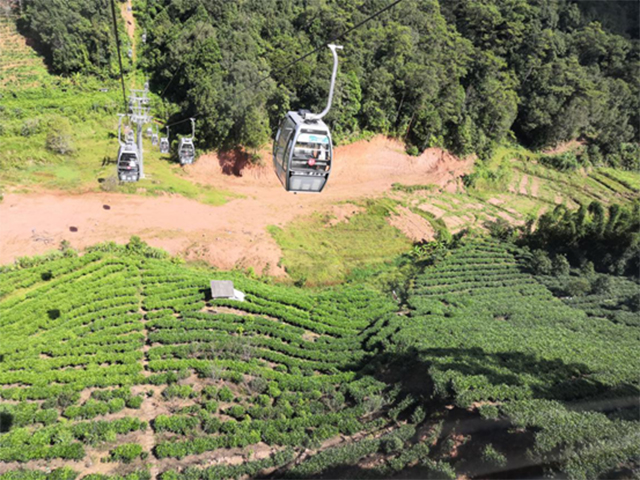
x=117, y=364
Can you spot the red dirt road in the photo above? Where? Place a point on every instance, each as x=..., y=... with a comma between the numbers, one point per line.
x=225, y=236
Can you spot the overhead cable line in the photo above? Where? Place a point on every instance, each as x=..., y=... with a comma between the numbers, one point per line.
x=115, y=29
x=306, y=55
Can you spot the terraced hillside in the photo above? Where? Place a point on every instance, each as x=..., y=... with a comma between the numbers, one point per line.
x=516, y=185
x=494, y=340
x=276, y=370
x=118, y=363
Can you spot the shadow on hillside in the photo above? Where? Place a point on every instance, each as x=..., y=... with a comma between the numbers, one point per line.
x=40, y=50
x=233, y=162
x=464, y=432
x=556, y=380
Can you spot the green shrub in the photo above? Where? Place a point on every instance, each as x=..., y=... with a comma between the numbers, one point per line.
x=116, y=404
x=180, y=424
x=494, y=458
x=439, y=470
x=602, y=285
x=258, y=385
x=263, y=400
x=63, y=473
x=237, y=411
x=540, y=263
x=577, y=287
x=418, y=415
x=126, y=453
x=59, y=138
x=30, y=127
x=412, y=150
x=560, y=266
x=211, y=424
x=563, y=162
x=634, y=302
x=391, y=444
x=178, y=391
x=210, y=392
x=489, y=412
x=274, y=390
x=225, y=394
x=134, y=402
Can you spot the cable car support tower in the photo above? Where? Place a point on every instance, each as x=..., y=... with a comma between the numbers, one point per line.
x=139, y=114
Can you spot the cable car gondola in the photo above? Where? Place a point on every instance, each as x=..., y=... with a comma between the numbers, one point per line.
x=164, y=143
x=186, y=149
x=128, y=163
x=302, y=150
x=154, y=137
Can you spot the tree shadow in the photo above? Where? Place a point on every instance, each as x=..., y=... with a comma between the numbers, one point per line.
x=233, y=162
x=53, y=314
x=557, y=380
x=46, y=276
x=464, y=433
x=41, y=50
x=6, y=422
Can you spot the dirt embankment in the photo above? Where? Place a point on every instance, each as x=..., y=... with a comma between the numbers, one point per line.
x=234, y=234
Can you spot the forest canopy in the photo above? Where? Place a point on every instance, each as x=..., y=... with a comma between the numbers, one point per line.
x=75, y=36
x=460, y=74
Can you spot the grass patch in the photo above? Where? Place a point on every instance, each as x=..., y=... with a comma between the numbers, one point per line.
x=26, y=117
x=399, y=187
x=316, y=254
x=629, y=179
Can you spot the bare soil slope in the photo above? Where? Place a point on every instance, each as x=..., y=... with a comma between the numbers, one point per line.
x=230, y=235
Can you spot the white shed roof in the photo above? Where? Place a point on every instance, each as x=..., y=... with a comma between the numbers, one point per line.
x=222, y=289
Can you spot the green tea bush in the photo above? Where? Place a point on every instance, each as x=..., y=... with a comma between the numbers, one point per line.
x=493, y=457
x=178, y=391
x=126, y=453
x=225, y=394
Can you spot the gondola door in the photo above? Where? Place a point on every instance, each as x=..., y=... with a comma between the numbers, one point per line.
x=282, y=149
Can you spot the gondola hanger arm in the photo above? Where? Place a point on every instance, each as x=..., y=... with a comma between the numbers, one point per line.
x=319, y=116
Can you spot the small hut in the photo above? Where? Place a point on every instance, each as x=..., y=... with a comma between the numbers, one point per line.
x=224, y=289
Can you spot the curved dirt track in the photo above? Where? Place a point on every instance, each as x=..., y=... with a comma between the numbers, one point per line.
x=233, y=234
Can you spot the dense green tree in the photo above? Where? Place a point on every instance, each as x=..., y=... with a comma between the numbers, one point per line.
x=75, y=35
x=607, y=239
x=461, y=74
